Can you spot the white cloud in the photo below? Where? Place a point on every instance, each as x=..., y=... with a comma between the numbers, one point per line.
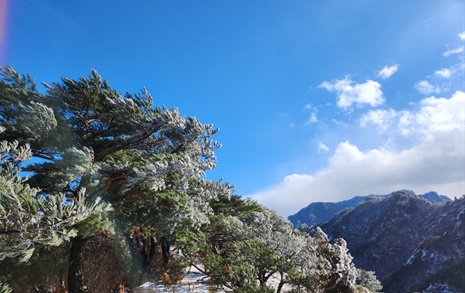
x=444, y=72
x=322, y=148
x=426, y=88
x=313, y=119
x=434, y=162
x=438, y=115
x=453, y=51
x=382, y=118
x=338, y=122
x=349, y=93
x=462, y=36
x=388, y=71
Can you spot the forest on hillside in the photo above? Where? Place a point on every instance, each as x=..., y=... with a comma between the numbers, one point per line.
x=101, y=191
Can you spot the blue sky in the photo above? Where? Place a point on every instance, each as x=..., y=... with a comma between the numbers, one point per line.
x=316, y=100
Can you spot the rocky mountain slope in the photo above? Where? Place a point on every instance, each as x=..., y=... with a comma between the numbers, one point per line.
x=410, y=243
x=321, y=212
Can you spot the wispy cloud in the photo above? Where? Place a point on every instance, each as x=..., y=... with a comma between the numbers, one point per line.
x=313, y=116
x=322, y=148
x=426, y=88
x=313, y=119
x=453, y=51
x=444, y=73
x=350, y=93
x=433, y=162
x=388, y=71
x=462, y=36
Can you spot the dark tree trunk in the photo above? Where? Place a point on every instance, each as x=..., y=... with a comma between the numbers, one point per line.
x=165, y=248
x=137, y=249
x=75, y=282
x=281, y=283
x=143, y=252
x=261, y=278
x=280, y=287
x=94, y=265
x=132, y=247
x=153, y=245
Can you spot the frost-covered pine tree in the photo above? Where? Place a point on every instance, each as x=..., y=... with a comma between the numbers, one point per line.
x=368, y=280
x=88, y=142
x=27, y=220
x=248, y=245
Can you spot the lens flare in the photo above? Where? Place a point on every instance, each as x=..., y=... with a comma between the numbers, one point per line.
x=3, y=30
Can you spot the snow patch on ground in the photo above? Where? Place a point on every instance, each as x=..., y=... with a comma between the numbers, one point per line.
x=411, y=258
x=460, y=213
x=194, y=281
x=198, y=282
x=423, y=254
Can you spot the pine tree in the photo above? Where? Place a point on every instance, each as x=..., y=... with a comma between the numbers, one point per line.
x=368, y=280
x=28, y=222
x=89, y=142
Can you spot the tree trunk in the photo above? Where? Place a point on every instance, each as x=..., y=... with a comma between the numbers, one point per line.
x=165, y=248
x=280, y=287
x=153, y=245
x=94, y=265
x=75, y=282
x=281, y=283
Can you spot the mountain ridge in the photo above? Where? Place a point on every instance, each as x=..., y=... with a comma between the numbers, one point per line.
x=320, y=212
x=409, y=242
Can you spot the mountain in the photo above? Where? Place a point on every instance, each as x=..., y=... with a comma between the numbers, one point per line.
x=321, y=212
x=411, y=243
x=435, y=198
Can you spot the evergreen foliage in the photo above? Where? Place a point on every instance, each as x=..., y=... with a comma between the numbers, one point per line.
x=27, y=220
x=368, y=280
x=101, y=160
x=4, y=288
